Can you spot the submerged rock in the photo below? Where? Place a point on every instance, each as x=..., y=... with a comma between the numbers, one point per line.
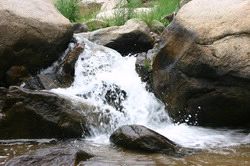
x=115, y=96
x=202, y=70
x=59, y=155
x=140, y=138
x=38, y=114
x=28, y=39
x=133, y=37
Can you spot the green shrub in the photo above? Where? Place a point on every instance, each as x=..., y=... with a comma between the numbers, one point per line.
x=69, y=9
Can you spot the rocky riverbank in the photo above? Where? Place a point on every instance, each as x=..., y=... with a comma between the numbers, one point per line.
x=198, y=67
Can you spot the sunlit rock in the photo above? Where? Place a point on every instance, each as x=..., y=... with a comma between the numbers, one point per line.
x=33, y=35
x=133, y=37
x=202, y=70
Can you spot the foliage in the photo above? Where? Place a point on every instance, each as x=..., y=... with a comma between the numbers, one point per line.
x=69, y=9
x=124, y=13
x=120, y=17
x=162, y=9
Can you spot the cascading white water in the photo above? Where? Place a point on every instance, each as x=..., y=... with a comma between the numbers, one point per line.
x=107, y=80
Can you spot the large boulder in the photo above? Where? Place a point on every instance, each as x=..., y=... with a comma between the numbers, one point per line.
x=58, y=155
x=133, y=37
x=33, y=34
x=38, y=114
x=140, y=138
x=202, y=70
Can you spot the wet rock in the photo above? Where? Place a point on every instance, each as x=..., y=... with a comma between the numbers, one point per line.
x=16, y=74
x=61, y=74
x=68, y=64
x=115, y=96
x=39, y=114
x=43, y=81
x=3, y=92
x=140, y=138
x=59, y=155
x=133, y=37
x=202, y=70
x=28, y=38
x=143, y=67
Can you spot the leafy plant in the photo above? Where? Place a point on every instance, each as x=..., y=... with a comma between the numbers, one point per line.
x=69, y=9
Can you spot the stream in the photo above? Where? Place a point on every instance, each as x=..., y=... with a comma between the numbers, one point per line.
x=108, y=81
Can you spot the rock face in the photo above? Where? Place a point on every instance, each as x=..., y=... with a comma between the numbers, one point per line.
x=133, y=37
x=37, y=114
x=61, y=155
x=202, y=70
x=28, y=39
x=140, y=138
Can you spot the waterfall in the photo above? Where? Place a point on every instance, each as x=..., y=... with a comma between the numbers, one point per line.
x=108, y=81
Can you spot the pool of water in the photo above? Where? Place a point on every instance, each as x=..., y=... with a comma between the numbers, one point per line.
x=107, y=154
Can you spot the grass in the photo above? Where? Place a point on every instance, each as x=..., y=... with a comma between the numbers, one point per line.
x=120, y=17
x=125, y=13
x=86, y=16
x=161, y=8
x=69, y=9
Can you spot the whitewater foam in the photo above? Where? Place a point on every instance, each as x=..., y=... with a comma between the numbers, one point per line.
x=100, y=70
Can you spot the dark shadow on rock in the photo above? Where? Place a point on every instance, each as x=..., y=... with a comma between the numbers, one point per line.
x=38, y=114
